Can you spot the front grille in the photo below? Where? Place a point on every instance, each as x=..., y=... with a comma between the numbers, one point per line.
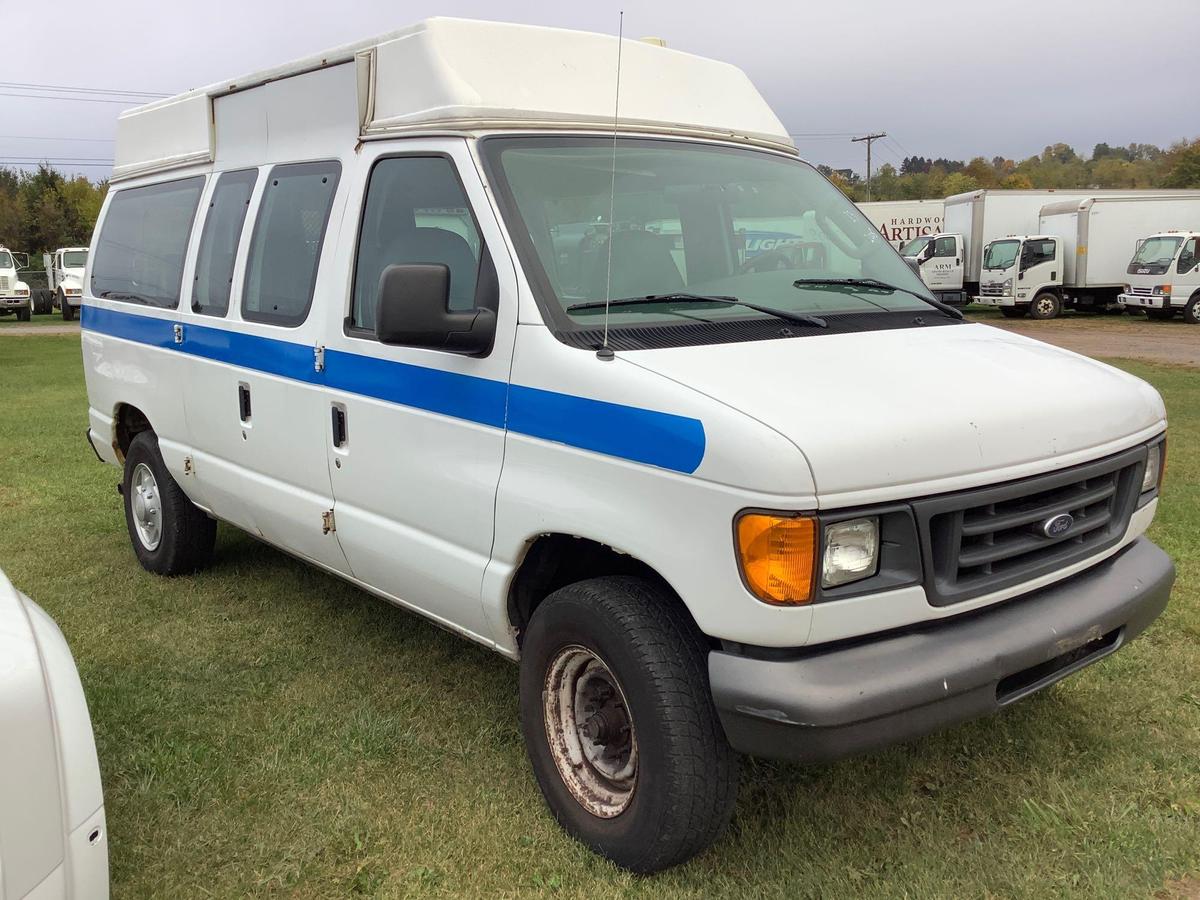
x=4, y=286
x=1143, y=291
x=991, y=290
x=979, y=541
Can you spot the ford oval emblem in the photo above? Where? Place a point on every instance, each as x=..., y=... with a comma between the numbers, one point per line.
x=1057, y=526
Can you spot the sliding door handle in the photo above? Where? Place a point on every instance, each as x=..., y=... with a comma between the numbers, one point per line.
x=338, y=421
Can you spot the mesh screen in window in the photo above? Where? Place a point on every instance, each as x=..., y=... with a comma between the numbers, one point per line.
x=143, y=242
x=219, y=242
x=281, y=271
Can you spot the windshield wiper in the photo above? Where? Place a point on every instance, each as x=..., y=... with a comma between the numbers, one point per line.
x=875, y=284
x=680, y=297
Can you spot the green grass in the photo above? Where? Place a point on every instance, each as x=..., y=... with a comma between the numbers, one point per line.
x=265, y=729
x=979, y=313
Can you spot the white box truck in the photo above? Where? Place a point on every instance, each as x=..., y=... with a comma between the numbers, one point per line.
x=1163, y=277
x=902, y=221
x=14, y=293
x=64, y=273
x=951, y=267
x=1080, y=255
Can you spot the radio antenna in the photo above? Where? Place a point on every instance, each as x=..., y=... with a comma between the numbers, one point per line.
x=605, y=351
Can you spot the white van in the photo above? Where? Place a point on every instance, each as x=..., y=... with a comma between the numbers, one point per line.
x=356, y=306
x=1164, y=276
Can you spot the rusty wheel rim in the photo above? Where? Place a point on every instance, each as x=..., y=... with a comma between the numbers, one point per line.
x=590, y=731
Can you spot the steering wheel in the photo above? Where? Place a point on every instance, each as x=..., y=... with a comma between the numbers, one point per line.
x=770, y=261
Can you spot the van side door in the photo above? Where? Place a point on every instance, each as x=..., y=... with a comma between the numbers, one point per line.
x=252, y=329
x=416, y=435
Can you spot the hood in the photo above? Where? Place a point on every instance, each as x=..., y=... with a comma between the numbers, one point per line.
x=895, y=414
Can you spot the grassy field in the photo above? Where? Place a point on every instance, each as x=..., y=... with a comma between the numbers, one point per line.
x=264, y=729
x=47, y=319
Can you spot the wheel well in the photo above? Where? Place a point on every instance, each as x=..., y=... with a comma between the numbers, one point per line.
x=556, y=560
x=128, y=422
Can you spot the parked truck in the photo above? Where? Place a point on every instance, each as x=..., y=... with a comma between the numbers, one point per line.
x=901, y=221
x=64, y=271
x=14, y=293
x=1163, y=278
x=951, y=261
x=1080, y=255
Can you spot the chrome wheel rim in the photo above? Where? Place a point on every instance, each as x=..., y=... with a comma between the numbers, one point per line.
x=1045, y=307
x=146, y=506
x=590, y=731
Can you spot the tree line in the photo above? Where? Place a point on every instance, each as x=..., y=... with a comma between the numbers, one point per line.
x=1058, y=166
x=42, y=210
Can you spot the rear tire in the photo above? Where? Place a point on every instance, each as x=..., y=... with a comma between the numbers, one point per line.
x=660, y=782
x=1014, y=312
x=169, y=533
x=1191, y=312
x=1045, y=306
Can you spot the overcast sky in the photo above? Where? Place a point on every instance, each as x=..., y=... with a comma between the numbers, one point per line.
x=955, y=79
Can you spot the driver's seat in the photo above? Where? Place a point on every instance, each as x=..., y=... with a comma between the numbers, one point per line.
x=641, y=264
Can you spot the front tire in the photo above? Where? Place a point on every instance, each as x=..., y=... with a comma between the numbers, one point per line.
x=68, y=311
x=169, y=533
x=1014, y=312
x=620, y=726
x=1191, y=312
x=1045, y=306
x=1160, y=315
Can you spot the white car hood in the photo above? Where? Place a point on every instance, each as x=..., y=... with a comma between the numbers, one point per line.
x=893, y=414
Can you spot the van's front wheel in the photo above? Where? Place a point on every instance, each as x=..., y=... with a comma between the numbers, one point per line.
x=620, y=726
x=1045, y=306
x=170, y=535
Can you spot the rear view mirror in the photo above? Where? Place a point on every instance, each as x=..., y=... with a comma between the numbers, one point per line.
x=413, y=309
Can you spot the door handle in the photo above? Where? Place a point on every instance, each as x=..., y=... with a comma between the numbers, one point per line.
x=244, y=401
x=338, y=421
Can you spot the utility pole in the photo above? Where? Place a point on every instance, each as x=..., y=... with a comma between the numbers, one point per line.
x=869, y=138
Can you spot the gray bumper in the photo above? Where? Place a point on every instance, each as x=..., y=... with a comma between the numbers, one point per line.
x=857, y=697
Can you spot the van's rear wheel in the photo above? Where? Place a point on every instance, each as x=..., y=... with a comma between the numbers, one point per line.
x=1014, y=312
x=1045, y=306
x=170, y=535
x=620, y=726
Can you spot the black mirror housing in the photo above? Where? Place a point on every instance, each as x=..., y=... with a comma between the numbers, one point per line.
x=413, y=310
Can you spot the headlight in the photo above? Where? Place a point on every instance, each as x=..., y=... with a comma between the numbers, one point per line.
x=1127, y=289
x=22, y=292
x=1007, y=286
x=73, y=292
x=1162, y=290
x=851, y=551
x=1154, y=466
x=776, y=555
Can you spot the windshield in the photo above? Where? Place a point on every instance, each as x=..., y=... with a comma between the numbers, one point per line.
x=6, y=260
x=916, y=245
x=1000, y=254
x=1157, y=251
x=686, y=218
x=74, y=259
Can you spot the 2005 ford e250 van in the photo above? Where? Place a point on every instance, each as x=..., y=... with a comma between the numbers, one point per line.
x=357, y=307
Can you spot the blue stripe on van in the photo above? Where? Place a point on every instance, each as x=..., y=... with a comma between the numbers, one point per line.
x=628, y=432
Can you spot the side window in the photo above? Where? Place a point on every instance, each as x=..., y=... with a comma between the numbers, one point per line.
x=1188, y=256
x=281, y=271
x=943, y=246
x=1036, y=252
x=416, y=212
x=142, y=243
x=219, y=242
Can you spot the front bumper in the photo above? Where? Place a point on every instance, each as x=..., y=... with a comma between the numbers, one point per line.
x=14, y=302
x=995, y=300
x=856, y=697
x=1144, y=301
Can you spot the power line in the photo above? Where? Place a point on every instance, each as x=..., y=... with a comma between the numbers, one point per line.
x=130, y=102
x=35, y=137
x=21, y=85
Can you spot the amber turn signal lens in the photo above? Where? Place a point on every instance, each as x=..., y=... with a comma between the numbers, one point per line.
x=777, y=555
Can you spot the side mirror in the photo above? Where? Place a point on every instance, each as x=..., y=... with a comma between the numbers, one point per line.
x=926, y=253
x=413, y=309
